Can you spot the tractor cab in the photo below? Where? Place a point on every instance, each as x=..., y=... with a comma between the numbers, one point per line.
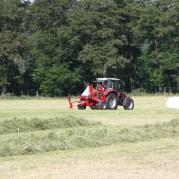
x=110, y=84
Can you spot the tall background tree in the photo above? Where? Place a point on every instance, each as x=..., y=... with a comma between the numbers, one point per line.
x=52, y=46
x=12, y=46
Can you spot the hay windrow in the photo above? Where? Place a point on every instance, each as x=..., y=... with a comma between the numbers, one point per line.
x=82, y=136
x=16, y=125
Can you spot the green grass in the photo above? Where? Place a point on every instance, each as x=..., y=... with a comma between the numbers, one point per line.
x=148, y=110
x=77, y=144
x=79, y=137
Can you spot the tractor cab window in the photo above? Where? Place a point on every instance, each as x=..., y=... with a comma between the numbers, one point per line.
x=109, y=84
x=98, y=84
x=117, y=86
x=105, y=85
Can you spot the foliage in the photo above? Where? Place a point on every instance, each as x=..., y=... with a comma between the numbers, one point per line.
x=52, y=46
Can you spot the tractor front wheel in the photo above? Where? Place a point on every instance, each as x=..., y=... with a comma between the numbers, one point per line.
x=112, y=101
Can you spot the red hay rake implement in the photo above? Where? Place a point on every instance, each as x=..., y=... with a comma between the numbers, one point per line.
x=91, y=97
x=108, y=94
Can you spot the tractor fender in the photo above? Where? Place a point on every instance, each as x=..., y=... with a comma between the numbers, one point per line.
x=107, y=92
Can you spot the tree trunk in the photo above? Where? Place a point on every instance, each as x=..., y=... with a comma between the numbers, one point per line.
x=131, y=70
x=4, y=86
x=4, y=76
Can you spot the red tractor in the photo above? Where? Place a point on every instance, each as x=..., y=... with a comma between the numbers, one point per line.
x=108, y=94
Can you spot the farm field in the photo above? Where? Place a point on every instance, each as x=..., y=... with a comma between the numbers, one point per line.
x=65, y=143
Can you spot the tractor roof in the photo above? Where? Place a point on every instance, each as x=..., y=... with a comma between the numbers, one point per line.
x=104, y=79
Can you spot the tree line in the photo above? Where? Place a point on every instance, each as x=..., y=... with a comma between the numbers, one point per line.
x=52, y=46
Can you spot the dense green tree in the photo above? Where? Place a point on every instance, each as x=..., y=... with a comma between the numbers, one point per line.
x=48, y=20
x=156, y=32
x=52, y=46
x=12, y=64
x=98, y=35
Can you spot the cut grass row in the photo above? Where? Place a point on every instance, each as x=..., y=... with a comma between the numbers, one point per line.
x=80, y=134
x=17, y=125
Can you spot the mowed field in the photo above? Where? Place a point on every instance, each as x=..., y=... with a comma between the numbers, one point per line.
x=43, y=138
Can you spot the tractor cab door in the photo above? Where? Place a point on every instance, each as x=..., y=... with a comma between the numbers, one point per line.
x=108, y=84
x=118, y=86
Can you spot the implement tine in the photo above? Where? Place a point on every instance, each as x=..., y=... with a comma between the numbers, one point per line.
x=70, y=103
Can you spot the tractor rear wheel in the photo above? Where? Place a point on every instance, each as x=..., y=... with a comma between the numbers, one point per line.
x=112, y=101
x=128, y=103
x=80, y=107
